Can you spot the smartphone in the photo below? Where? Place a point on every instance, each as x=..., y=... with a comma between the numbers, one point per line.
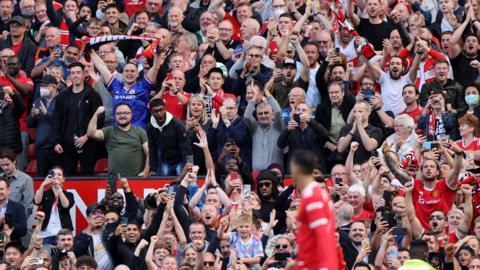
x=169, y=76
x=58, y=51
x=51, y=173
x=338, y=181
x=399, y=231
x=389, y=217
x=247, y=191
x=231, y=141
x=387, y=197
x=124, y=221
x=368, y=94
x=233, y=176
x=170, y=190
x=429, y=145
x=112, y=182
x=337, y=50
x=189, y=159
x=37, y=261
x=296, y=117
x=282, y=256
x=8, y=220
x=393, y=253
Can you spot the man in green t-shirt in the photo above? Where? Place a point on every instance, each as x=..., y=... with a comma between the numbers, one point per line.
x=127, y=145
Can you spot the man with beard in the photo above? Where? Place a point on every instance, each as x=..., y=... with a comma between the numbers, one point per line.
x=265, y=129
x=93, y=241
x=127, y=145
x=23, y=47
x=351, y=246
x=394, y=46
x=374, y=29
x=124, y=242
x=430, y=194
x=454, y=92
x=465, y=64
x=135, y=94
x=392, y=83
x=284, y=79
x=410, y=96
x=457, y=228
x=267, y=190
x=24, y=86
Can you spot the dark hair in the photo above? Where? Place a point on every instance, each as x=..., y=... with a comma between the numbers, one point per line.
x=4, y=179
x=123, y=104
x=73, y=46
x=112, y=5
x=76, y=64
x=305, y=160
x=311, y=43
x=8, y=153
x=337, y=65
x=86, y=260
x=215, y=70
x=419, y=250
x=15, y=245
x=64, y=231
x=361, y=264
x=156, y=102
x=411, y=85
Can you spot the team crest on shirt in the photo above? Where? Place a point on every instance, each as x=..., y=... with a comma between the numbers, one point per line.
x=435, y=193
x=131, y=92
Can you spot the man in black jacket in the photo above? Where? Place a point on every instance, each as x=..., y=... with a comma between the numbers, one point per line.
x=13, y=214
x=9, y=115
x=333, y=115
x=23, y=46
x=75, y=107
x=167, y=141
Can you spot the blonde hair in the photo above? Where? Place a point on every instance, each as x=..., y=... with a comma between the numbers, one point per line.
x=204, y=116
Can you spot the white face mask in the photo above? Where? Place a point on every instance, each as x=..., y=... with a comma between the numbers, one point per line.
x=44, y=92
x=277, y=12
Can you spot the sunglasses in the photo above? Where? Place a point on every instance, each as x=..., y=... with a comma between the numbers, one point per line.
x=265, y=184
x=280, y=246
x=437, y=217
x=208, y=263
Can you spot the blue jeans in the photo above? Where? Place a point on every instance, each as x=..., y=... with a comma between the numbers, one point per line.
x=165, y=169
x=22, y=157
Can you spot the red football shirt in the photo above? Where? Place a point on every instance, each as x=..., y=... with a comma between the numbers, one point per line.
x=174, y=106
x=426, y=201
x=316, y=230
x=414, y=114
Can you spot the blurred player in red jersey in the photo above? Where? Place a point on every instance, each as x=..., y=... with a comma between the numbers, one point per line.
x=316, y=219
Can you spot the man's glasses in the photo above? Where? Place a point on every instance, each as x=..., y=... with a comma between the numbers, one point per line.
x=208, y=263
x=266, y=184
x=436, y=217
x=124, y=113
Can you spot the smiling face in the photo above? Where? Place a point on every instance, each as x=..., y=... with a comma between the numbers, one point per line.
x=123, y=115
x=77, y=75
x=441, y=71
x=358, y=232
x=130, y=74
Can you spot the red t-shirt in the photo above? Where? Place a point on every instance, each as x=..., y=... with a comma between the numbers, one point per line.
x=24, y=80
x=16, y=47
x=174, y=106
x=474, y=145
x=414, y=114
x=316, y=238
x=364, y=215
x=440, y=198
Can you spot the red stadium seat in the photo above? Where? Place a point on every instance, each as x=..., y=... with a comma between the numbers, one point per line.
x=31, y=151
x=101, y=166
x=32, y=168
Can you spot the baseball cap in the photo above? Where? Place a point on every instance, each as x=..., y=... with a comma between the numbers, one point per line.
x=48, y=79
x=96, y=206
x=289, y=61
x=18, y=19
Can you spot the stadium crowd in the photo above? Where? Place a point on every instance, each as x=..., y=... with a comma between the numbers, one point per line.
x=327, y=134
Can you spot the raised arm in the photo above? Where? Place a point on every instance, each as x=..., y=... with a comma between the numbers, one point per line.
x=454, y=48
x=416, y=226
x=92, y=131
x=464, y=226
x=452, y=179
x=391, y=161
x=351, y=14
x=373, y=68
x=305, y=72
x=101, y=67
x=414, y=68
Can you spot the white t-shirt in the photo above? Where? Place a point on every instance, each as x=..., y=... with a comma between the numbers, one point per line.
x=392, y=92
x=54, y=224
x=102, y=257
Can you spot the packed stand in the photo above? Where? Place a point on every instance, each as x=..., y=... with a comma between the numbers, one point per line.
x=306, y=134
